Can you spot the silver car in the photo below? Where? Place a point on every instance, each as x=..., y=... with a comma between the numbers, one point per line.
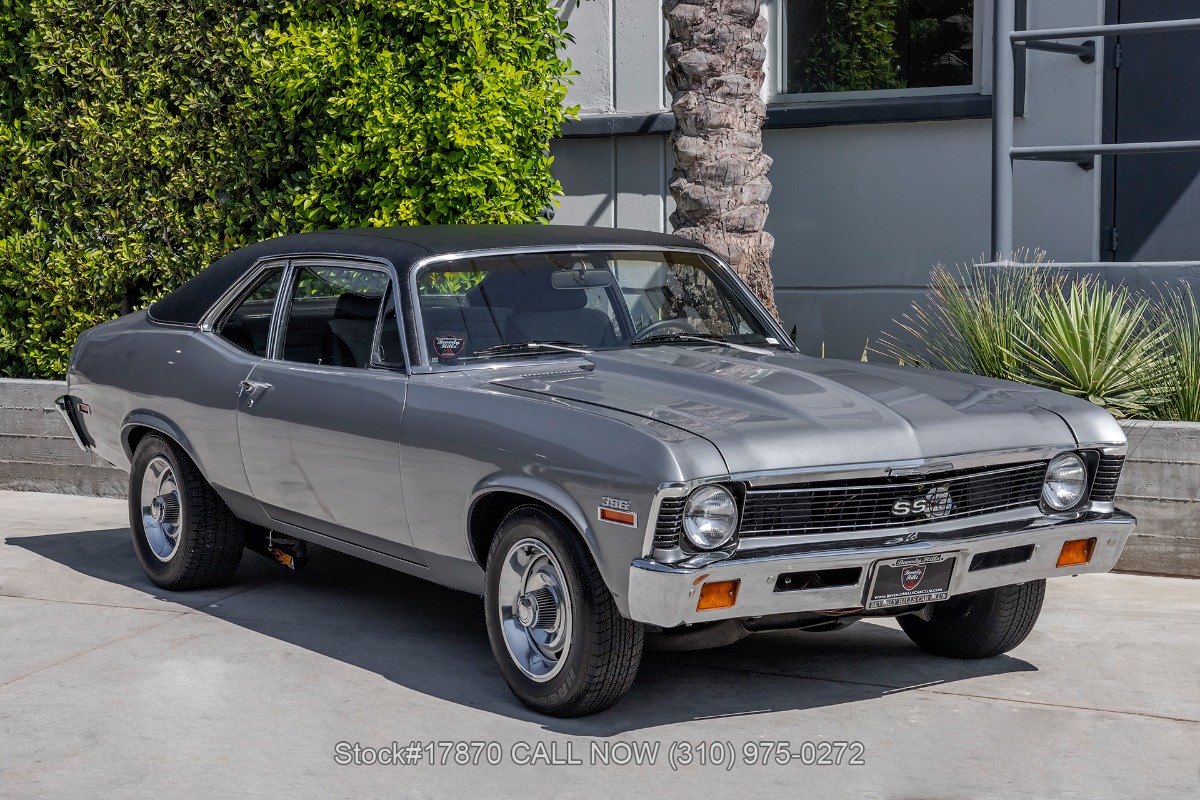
x=601, y=432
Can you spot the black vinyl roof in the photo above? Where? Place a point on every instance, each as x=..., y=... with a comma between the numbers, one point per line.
x=402, y=246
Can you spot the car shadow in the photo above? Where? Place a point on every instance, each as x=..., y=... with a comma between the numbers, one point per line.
x=432, y=640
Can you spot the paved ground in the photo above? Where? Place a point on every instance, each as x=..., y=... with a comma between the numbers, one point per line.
x=110, y=688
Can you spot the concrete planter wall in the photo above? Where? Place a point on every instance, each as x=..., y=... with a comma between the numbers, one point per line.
x=1160, y=484
x=37, y=452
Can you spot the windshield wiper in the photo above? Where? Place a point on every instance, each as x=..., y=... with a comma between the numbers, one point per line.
x=510, y=348
x=703, y=338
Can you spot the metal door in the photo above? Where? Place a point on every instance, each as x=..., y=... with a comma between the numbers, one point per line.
x=1152, y=202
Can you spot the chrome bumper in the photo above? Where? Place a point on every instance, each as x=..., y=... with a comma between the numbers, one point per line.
x=665, y=595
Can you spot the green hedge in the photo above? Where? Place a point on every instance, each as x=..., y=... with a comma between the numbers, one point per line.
x=140, y=141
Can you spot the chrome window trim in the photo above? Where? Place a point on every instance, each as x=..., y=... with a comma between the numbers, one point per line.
x=290, y=263
x=231, y=295
x=418, y=266
x=344, y=262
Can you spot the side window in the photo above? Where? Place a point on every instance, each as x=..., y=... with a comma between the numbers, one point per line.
x=331, y=316
x=248, y=326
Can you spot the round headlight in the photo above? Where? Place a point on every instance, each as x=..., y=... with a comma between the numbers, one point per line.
x=1066, y=481
x=710, y=517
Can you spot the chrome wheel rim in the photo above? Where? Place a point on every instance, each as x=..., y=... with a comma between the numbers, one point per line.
x=161, y=508
x=535, y=610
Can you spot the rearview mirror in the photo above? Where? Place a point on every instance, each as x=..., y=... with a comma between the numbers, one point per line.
x=581, y=279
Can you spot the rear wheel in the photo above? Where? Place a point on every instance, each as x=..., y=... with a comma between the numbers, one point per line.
x=978, y=625
x=560, y=643
x=183, y=533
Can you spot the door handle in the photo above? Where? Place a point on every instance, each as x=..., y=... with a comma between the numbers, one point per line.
x=253, y=389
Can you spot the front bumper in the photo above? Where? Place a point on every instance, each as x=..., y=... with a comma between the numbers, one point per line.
x=666, y=595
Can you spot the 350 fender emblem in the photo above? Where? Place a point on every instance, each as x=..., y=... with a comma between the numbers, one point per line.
x=616, y=511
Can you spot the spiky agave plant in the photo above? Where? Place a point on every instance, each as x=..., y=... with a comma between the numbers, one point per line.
x=1095, y=341
x=971, y=318
x=1179, y=313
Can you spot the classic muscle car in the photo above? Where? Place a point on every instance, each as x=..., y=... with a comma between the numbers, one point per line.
x=601, y=432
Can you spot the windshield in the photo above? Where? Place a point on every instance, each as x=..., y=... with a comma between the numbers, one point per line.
x=538, y=304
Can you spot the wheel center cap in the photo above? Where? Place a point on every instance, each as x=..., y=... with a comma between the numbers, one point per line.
x=527, y=610
x=157, y=509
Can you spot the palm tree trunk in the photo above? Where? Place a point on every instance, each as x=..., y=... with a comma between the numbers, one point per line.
x=714, y=73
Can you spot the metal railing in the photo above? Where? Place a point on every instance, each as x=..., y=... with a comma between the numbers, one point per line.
x=1003, y=101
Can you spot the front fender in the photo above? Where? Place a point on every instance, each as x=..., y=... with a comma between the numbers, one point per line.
x=611, y=553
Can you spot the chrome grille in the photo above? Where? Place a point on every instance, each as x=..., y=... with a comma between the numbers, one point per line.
x=1108, y=473
x=867, y=504
x=669, y=524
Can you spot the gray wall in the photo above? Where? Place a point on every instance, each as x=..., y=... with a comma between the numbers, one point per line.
x=860, y=213
x=1160, y=485
x=37, y=452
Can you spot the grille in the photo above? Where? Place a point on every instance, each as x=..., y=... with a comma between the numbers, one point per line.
x=669, y=524
x=863, y=505
x=1108, y=472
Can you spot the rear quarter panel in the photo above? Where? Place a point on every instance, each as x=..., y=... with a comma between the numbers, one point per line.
x=175, y=379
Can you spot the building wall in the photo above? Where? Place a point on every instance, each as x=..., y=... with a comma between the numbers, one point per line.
x=860, y=213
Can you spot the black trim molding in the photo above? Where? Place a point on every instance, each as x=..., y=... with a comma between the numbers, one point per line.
x=879, y=110
x=802, y=115
x=619, y=125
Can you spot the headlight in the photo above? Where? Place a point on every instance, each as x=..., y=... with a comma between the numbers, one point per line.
x=710, y=517
x=1066, y=481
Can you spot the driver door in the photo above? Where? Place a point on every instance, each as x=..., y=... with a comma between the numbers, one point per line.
x=319, y=421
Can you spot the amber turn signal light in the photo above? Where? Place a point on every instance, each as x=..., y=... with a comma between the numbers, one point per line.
x=1076, y=552
x=619, y=517
x=719, y=594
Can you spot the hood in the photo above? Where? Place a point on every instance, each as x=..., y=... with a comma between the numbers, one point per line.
x=786, y=410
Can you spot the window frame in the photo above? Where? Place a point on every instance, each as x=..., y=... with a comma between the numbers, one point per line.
x=238, y=293
x=212, y=320
x=775, y=86
x=286, y=296
x=722, y=272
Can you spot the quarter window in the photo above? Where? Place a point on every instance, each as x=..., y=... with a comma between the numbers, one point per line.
x=893, y=46
x=248, y=326
x=332, y=314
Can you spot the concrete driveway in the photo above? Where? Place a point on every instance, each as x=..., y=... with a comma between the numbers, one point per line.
x=110, y=687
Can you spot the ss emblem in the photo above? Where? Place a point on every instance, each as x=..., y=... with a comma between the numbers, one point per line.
x=935, y=503
x=903, y=508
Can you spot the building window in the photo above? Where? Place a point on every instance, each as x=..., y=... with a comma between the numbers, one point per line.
x=832, y=48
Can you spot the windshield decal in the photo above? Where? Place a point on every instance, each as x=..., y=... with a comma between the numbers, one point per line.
x=448, y=346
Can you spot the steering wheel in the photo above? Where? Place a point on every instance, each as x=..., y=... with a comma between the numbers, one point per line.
x=678, y=323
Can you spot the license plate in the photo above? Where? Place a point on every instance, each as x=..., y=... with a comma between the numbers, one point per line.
x=914, y=579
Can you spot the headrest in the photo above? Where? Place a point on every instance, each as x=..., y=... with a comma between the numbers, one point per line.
x=356, y=306
x=537, y=294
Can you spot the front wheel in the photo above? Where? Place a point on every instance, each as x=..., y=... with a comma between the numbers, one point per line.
x=562, y=646
x=978, y=625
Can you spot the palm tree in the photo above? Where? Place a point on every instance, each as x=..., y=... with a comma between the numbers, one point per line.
x=715, y=55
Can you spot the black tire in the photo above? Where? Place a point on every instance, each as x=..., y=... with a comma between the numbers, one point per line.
x=979, y=625
x=208, y=540
x=605, y=649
